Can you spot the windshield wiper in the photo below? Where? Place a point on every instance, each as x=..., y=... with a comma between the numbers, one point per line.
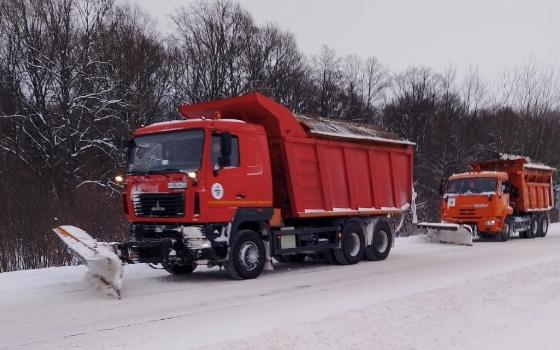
x=156, y=172
x=172, y=170
x=145, y=173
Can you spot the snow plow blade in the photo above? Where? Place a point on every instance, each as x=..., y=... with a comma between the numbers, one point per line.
x=449, y=233
x=101, y=259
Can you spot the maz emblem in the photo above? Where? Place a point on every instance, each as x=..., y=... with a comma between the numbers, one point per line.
x=157, y=207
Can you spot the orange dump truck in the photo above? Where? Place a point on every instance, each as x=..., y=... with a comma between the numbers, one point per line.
x=495, y=200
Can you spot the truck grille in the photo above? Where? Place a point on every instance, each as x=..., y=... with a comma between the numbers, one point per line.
x=467, y=212
x=159, y=204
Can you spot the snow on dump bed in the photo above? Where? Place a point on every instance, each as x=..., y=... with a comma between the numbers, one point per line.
x=531, y=164
x=348, y=130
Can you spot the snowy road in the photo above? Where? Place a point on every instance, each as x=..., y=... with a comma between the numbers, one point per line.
x=425, y=296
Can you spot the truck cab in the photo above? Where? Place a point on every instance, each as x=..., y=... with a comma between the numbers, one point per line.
x=478, y=199
x=187, y=182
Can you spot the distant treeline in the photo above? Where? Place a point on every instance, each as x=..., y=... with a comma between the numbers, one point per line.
x=77, y=76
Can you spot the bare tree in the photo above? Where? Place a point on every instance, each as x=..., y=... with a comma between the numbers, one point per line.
x=376, y=80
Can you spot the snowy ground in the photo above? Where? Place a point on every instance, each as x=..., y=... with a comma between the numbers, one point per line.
x=425, y=296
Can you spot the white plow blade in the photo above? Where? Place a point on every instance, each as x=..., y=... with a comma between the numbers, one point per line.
x=100, y=258
x=449, y=233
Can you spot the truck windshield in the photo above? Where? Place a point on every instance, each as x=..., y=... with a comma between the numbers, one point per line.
x=471, y=186
x=170, y=152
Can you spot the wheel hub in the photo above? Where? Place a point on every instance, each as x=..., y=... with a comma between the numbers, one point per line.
x=355, y=248
x=249, y=256
x=381, y=241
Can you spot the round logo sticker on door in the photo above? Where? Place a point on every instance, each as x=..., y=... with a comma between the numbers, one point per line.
x=217, y=191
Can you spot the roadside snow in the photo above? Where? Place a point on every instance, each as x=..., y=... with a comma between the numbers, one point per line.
x=492, y=295
x=494, y=307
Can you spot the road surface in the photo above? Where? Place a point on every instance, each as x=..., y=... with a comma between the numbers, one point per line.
x=424, y=296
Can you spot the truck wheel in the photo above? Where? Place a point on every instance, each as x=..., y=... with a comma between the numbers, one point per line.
x=381, y=242
x=352, y=244
x=329, y=257
x=247, y=256
x=506, y=230
x=533, y=228
x=179, y=269
x=543, y=226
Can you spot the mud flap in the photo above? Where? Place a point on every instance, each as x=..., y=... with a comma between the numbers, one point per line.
x=449, y=233
x=101, y=259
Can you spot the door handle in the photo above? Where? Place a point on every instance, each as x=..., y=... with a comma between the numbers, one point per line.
x=240, y=195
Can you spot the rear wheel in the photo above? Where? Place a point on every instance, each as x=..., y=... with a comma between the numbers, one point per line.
x=533, y=228
x=543, y=225
x=381, y=242
x=179, y=269
x=506, y=230
x=247, y=256
x=352, y=244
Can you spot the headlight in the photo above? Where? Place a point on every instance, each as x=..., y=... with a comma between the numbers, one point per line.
x=490, y=222
x=119, y=178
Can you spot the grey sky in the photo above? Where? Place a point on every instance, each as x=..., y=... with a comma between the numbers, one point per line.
x=489, y=34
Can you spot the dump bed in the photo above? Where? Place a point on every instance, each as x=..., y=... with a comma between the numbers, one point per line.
x=321, y=167
x=531, y=182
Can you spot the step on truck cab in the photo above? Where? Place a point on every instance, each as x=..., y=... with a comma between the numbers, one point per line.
x=500, y=197
x=242, y=180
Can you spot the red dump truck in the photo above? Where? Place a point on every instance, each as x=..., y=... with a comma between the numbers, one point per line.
x=496, y=199
x=242, y=180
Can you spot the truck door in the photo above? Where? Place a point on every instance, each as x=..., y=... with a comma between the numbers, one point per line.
x=254, y=149
x=226, y=185
x=505, y=196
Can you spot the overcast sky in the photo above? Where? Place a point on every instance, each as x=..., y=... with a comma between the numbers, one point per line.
x=489, y=34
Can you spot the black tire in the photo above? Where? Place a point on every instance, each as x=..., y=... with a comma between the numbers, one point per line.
x=533, y=230
x=543, y=225
x=352, y=244
x=507, y=229
x=247, y=256
x=381, y=242
x=329, y=257
x=180, y=269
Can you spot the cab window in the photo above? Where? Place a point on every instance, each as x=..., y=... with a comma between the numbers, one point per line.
x=217, y=161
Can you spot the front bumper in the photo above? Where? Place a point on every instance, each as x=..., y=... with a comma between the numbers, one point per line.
x=156, y=243
x=482, y=225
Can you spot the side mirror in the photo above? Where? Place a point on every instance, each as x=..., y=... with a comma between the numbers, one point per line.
x=225, y=144
x=225, y=150
x=130, y=144
x=442, y=187
x=506, y=187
